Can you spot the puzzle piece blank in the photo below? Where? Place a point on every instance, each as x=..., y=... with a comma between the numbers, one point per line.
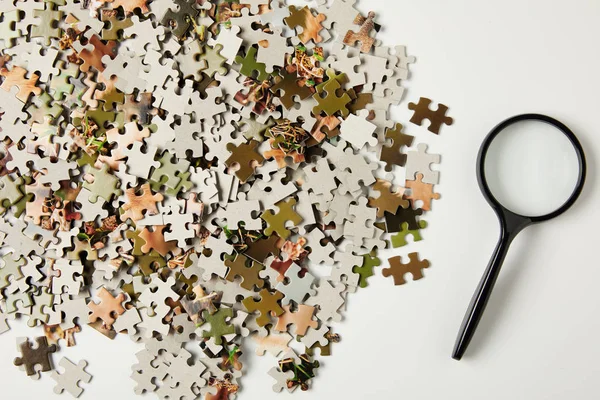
x=357, y=131
x=421, y=161
x=70, y=379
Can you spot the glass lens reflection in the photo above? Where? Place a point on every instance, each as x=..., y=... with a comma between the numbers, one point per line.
x=531, y=168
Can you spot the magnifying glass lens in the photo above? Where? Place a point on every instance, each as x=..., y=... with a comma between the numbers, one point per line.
x=531, y=168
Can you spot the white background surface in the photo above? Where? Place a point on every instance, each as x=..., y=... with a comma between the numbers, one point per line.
x=486, y=60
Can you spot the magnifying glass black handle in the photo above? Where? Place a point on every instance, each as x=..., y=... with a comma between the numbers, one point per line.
x=510, y=225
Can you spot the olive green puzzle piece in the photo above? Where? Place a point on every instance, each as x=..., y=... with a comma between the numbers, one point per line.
x=86, y=159
x=250, y=67
x=100, y=117
x=168, y=172
x=276, y=222
x=366, y=269
x=149, y=264
x=267, y=306
x=219, y=326
x=341, y=78
x=188, y=283
x=399, y=239
x=10, y=190
x=177, y=18
x=324, y=350
x=19, y=207
x=331, y=98
x=48, y=26
x=104, y=185
x=116, y=26
x=184, y=184
x=288, y=84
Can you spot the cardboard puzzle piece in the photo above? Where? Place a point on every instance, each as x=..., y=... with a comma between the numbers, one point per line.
x=437, y=117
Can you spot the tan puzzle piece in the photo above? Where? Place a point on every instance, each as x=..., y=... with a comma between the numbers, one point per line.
x=155, y=240
x=108, y=309
x=421, y=191
x=363, y=35
x=16, y=77
x=138, y=203
x=302, y=318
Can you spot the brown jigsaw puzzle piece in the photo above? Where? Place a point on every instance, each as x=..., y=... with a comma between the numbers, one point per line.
x=310, y=24
x=436, y=117
x=397, y=269
x=246, y=156
x=155, y=240
x=93, y=58
x=32, y=356
x=260, y=249
x=246, y=269
x=392, y=155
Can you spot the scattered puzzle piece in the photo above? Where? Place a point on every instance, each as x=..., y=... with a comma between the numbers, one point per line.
x=398, y=270
x=436, y=117
x=276, y=223
x=399, y=239
x=33, y=356
x=69, y=380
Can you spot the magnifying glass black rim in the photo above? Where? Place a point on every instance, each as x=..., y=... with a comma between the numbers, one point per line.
x=483, y=185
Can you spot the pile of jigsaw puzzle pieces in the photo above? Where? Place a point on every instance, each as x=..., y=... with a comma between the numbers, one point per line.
x=204, y=177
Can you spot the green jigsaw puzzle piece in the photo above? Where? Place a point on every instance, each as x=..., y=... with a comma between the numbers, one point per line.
x=249, y=65
x=399, y=239
x=104, y=185
x=219, y=326
x=366, y=269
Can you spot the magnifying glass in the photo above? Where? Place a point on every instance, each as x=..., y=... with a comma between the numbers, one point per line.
x=530, y=168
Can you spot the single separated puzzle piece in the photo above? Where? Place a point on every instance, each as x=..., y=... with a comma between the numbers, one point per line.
x=398, y=269
x=32, y=356
x=436, y=117
x=71, y=377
